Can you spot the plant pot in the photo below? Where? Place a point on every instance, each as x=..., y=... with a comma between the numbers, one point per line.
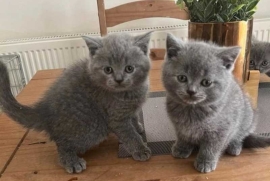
x=227, y=34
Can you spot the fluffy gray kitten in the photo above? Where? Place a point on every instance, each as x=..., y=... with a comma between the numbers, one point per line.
x=91, y=99
x=207, y=106
x=260, y=56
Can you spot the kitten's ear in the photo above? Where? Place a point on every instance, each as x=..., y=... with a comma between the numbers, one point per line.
x=93, y=44
x=142, y=41
x=254, y=40
x=173, y=45
x=229, y=56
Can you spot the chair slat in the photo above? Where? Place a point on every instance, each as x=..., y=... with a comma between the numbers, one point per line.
x=144, y=9
x=102, y=17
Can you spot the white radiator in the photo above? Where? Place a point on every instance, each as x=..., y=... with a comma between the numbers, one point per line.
x=61, y=51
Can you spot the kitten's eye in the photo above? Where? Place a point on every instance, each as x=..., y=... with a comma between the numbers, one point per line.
x=265, y=63
x=251, y=62
x=182, y=78
x=108, y=70
x=206, y=83
x=129, y=69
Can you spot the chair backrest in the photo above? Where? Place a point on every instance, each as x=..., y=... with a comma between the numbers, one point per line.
x=137, y=10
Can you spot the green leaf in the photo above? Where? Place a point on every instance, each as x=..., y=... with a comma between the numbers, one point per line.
x=250, y=14
x=200, y=16
x=229, y=6
x=181, y=5
x=219, y=10
x=236, y=19
x=236, y=9
x=199, y=6
x=219, y=18
x=188, y=4
x=252, y=5
x=225, y=17
x=209, y=9
x=242, y=14
x=179, y=2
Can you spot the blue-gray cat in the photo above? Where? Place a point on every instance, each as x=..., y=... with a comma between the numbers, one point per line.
x=260, y=56
x=91, y=99
x=207, y=106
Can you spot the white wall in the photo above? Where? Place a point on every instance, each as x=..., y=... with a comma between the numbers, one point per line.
x=34, y=18
x=263, y=10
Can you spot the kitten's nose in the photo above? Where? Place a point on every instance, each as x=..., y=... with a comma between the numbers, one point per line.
x=191, y=92
x=119, y=78
x=119, y=81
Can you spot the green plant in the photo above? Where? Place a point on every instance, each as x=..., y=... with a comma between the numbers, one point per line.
x=205, y=11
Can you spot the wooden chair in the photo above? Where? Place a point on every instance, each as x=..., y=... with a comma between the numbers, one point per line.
x=157, y=8
x=137, y=10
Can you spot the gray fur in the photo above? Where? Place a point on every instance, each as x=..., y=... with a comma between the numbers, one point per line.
x=85, y=104
x=260, y=56
x=216, y=118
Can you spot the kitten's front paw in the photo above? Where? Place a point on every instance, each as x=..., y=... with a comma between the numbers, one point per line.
x=181, y=153
x=142, y=155
x=205, y=166
x=75, y=166
x=234, y=149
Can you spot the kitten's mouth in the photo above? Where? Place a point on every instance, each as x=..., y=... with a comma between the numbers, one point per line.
x=192, y=100
x=120, y=87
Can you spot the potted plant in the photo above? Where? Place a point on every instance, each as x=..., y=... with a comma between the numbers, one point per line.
x=225, y=22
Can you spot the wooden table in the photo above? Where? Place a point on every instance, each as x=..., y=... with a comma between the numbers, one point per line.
x=264, y=78
x=30, y=156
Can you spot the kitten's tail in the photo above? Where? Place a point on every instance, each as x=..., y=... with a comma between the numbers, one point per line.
x=256, y=141
x=24, y=115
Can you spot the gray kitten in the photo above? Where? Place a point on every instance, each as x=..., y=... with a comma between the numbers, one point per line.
x=260, y=56
x=91, y=99
x=205, y=103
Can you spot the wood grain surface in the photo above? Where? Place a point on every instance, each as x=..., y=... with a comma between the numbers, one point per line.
x=36, y=158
